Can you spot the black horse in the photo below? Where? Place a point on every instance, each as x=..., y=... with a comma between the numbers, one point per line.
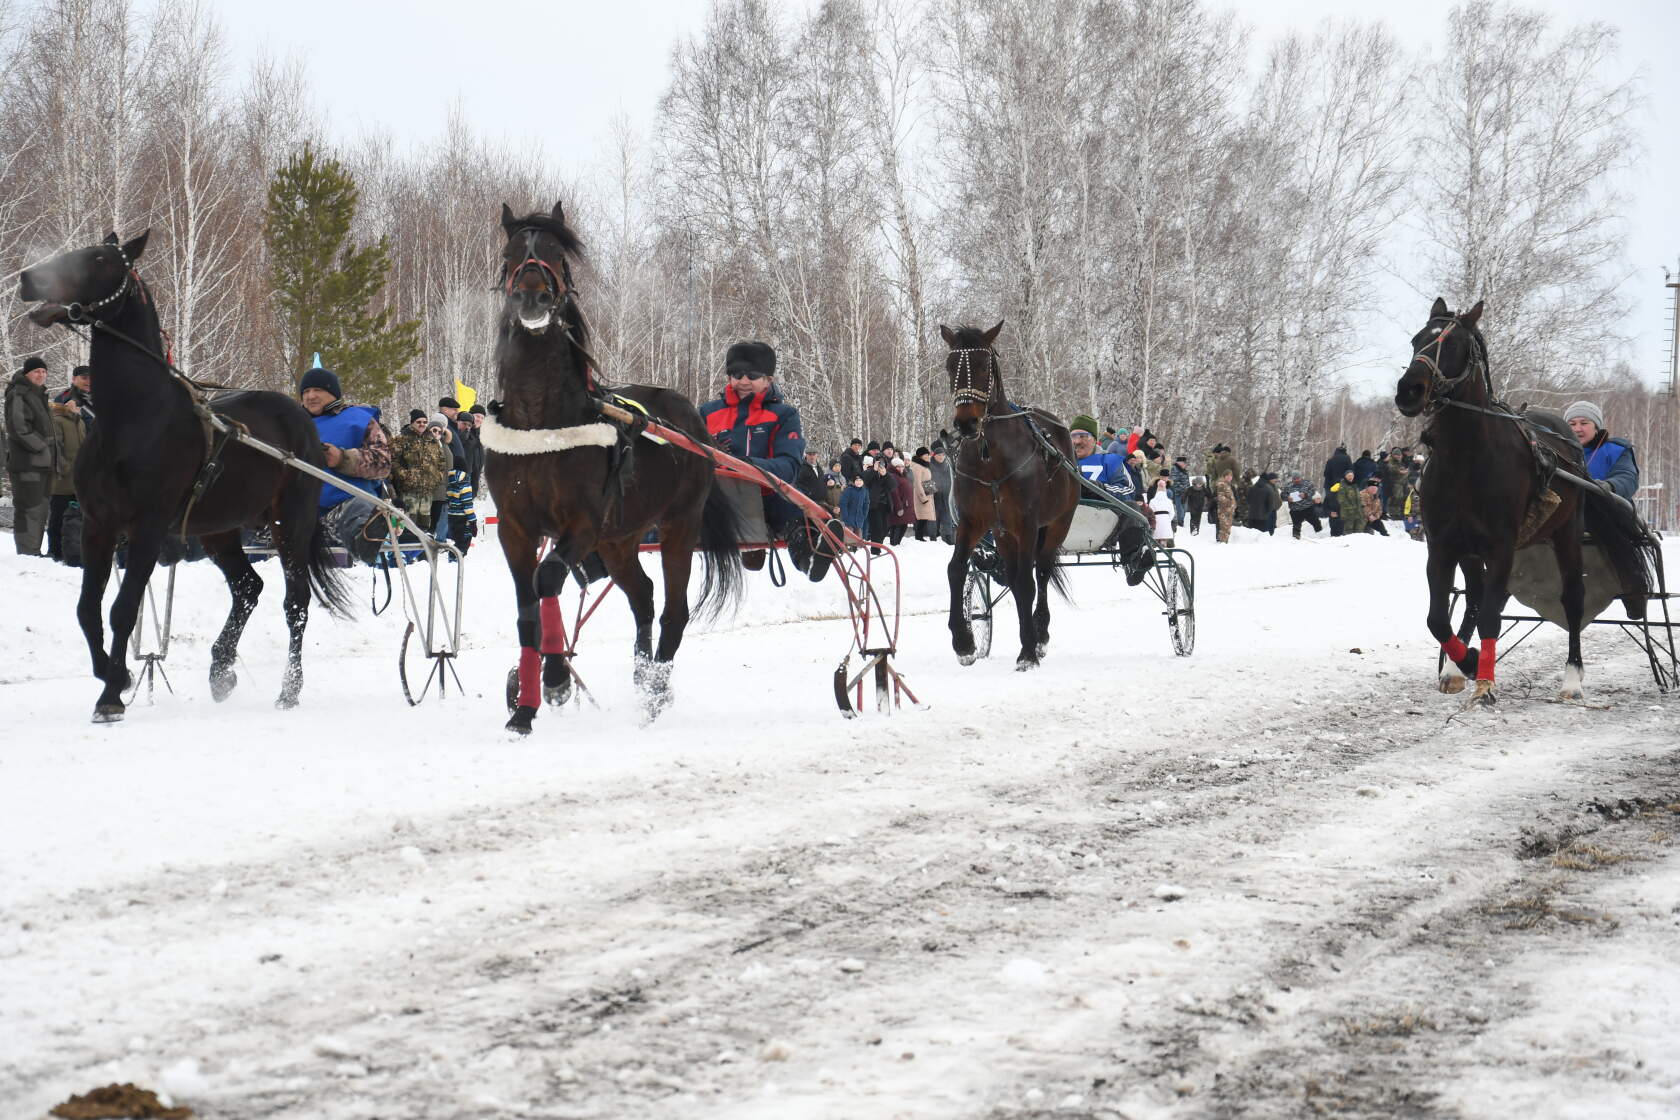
x=558, y=471
x=1485, y=493
x=1003, y=480
x=136, y=473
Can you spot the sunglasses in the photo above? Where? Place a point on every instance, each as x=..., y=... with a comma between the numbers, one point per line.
x=744, y=375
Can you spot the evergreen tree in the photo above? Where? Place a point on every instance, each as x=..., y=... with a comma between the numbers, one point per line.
x=326, y=287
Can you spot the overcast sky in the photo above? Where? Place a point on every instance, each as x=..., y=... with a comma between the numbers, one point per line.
x=399, y=67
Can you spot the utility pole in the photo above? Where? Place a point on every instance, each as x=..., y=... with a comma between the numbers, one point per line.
x=1673, y=285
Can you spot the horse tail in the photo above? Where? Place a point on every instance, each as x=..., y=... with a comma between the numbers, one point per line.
x=1628, y=545
x=720, y=555
x=325, y=577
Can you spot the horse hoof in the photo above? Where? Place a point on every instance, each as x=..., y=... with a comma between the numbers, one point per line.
x=222, y=685
x=1451, y=683
x=558, y=694
x=966, y=659
x=1023, y=664
x=286, y=703
x=1572, y=694
x=108, y=713
x=1483, y=695
x=520, y=723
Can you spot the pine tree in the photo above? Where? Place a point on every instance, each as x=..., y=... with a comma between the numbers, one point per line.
x=326, y=287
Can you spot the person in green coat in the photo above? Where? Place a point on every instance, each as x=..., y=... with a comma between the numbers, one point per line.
x=71, y=412
x=1346, y=496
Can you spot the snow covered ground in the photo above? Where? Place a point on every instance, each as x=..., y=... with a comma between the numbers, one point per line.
x=1281, y=877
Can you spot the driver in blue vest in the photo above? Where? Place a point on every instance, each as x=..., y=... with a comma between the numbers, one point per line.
x=1609, y=460
x=1106, y=469
x=358, y=453
x=1109, y=470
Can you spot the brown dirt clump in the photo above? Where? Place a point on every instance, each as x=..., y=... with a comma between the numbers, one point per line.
x=118, y=1102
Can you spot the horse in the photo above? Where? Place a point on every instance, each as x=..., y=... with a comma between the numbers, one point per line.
x=1490, y=477
x=1003, y=480
x=558, y=471
x=147, y=471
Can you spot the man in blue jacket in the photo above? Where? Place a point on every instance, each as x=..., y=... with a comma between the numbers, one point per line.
x=358, y=453
x=1609, y=460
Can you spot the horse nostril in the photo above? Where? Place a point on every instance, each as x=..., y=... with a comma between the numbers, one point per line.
x=545, y=299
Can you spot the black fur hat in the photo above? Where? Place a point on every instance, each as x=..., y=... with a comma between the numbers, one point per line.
x=757, y=357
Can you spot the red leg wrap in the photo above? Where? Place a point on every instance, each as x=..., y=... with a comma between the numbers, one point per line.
x=1486, y=659
x=530, y=678
x=553, y=626
x=1456, y=650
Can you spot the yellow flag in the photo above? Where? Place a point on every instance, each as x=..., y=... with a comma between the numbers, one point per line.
x=464, y=396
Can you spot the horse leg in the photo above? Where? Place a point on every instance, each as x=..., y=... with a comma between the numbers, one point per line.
x=556, y=666
x=144, y=544
x=968, y=534
x=1489, y=620
x=1440, y=573
x=245, y=585
x=1566, y=546
x=676, y=560
x=625, y=567
x=521, y=554
x=1023, y=581
x=99, y=547
x=1045, y=569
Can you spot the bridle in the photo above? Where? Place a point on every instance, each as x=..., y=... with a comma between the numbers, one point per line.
x=557, y=285
x=1441, y=386
x=78, y=312
x=963, y=390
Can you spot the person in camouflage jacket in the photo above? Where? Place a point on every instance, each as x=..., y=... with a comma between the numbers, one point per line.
x=1225, y=499
x=1346, y=496
x=419, y=464
x=1370, y=501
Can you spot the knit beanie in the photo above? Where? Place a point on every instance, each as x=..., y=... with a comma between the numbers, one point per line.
x=33, y=362
x=415, y=414
x=438, y=420
x=1586, y=410
x=1083, y=423
x=319, y=378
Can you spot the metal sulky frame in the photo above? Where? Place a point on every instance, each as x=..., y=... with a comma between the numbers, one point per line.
x=875, y=627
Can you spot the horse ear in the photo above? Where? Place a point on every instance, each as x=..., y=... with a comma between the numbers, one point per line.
x=945, y=333
x=1440, y=310
x=509, y=222
x=1469, y=317
x=558, y=213
x=133, y=249
x=110, y=238
x=991, y=335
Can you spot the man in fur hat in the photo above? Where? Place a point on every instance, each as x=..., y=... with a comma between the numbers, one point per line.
x=751, y=420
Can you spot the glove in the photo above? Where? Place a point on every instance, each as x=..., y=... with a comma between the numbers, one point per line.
x=1604, y=485
x=725, y=441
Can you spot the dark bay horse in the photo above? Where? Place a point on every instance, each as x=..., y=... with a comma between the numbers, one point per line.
x=558, y=471
x=1488, y=469
x=1003, y=481
x=137, y=471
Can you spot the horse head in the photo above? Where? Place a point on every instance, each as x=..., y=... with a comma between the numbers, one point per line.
x=1445, y=353
x=973, y=367
x=536, y=270
x=81, y=284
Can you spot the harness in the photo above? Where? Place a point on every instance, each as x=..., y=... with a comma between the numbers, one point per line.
x=218, y=430
x=1544, y=459
x=964, y=392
